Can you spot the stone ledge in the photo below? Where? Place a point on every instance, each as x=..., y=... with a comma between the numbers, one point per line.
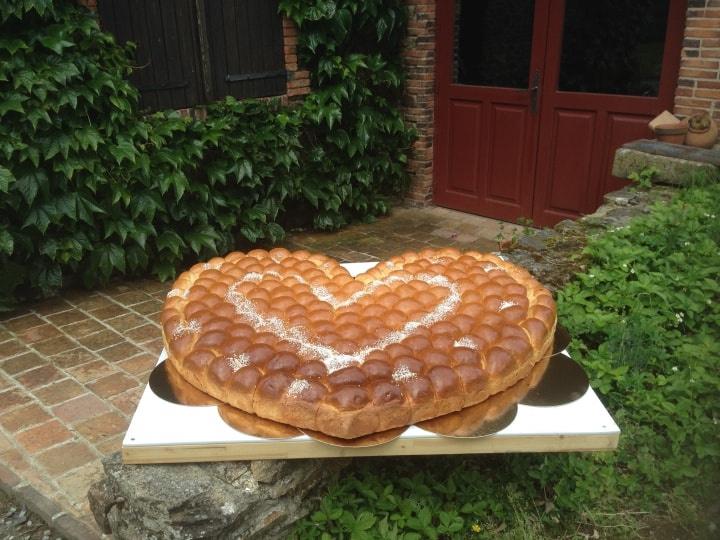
x=49, y=511
x=675, y=164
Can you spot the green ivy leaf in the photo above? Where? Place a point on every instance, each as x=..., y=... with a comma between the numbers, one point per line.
x=6, y=178
x=6, y=242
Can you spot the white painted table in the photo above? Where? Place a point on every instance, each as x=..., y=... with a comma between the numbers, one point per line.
x=164, y=432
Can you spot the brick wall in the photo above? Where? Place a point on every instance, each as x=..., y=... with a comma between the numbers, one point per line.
x=419, y=101
x=699, y=82
x=298, y=82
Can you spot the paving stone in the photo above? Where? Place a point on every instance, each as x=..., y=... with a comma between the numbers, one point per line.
x=12, y=348
x=24, y=417
x=144, y=333
x=103, y=426
x=120, y=352
x=67, y=317
x=80, y=408
x=148, y=308
x=38, y=333
x=101, y=340
x=18, y=364
x=109, y=311
x=58, y=392
x=71, y=358
x=13, y=398
x=55, y=346
x=112, y=385
x=83, y=328
x=43, y=436
x=51, y=307
x=127, y=401
x=61, y=459
x=91, y=371
x=16, y=462
x=39, y=376
x=20, y=324
x=139, y=364
x=110, y=445
x=75, y=485
x=130, y=298
x=93, y=302
x=154, y=347
x=126, y=322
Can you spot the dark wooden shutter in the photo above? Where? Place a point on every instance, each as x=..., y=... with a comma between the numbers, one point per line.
x=190, y=52
x=245, y=48
x=167, y=59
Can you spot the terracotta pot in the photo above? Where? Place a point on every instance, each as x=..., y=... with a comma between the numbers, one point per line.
x=702, y=138
x=671, y=133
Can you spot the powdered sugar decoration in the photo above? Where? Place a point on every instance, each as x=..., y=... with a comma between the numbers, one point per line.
x=297, y=387
x=403, y=374
x=186, y=327
x=465, y=341
x=238, y=361
x=182, y=293
x=506, y=304
x=208, y=266
x=333, y=359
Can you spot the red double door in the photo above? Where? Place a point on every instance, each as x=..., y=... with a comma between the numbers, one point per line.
x=534, y=96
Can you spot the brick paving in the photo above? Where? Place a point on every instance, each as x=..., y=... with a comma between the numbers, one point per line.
x=72, y=368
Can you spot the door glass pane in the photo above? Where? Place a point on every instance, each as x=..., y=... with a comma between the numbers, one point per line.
x=493, y=42
x=613, y=46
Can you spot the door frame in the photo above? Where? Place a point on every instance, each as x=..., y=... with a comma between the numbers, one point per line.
x=548, y=24
x=602, y=103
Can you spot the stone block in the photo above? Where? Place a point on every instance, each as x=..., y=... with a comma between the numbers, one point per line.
x=235, y=499
x=675, y=164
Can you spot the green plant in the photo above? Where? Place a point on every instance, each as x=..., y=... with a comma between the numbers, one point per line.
x=354, y=138
x=92, y=189
x=645, y=317
x=643, y=178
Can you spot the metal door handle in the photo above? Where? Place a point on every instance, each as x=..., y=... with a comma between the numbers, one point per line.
x=534, y=91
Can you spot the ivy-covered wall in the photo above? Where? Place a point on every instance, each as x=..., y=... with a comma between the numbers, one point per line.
x=91, y=189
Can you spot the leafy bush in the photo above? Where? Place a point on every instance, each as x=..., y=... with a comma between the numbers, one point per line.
x=355, y=142
x=92, y=189
x=645, y=317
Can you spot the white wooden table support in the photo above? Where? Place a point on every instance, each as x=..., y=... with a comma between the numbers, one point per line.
x=164, y=432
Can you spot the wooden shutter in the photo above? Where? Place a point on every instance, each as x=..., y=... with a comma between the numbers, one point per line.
x=245, y=48
x=167, y=59
x=190, y=52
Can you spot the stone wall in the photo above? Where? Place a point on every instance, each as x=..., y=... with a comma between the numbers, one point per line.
x=699, y=82
x=419, y=101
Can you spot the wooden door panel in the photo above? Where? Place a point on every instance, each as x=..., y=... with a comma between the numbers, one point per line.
x=572, y=146
x=507, y=153
x=621, y=128
x=465, y=119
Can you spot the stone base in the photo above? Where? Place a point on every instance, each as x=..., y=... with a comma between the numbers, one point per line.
x=241, y=499
x=675, y=164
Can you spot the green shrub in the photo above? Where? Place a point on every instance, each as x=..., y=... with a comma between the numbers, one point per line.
x=355, y=140
x=92, y=189
x=645, y=318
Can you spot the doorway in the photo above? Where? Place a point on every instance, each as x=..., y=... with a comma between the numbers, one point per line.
x=534, y=96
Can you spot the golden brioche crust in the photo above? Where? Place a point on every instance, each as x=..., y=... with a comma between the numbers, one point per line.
x=292, y=337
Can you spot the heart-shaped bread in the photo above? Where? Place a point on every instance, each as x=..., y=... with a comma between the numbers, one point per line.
x=293, y=337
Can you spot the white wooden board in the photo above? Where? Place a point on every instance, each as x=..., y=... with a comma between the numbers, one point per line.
x=163, y=432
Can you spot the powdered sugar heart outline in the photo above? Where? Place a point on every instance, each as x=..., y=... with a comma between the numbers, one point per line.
x=333, y=359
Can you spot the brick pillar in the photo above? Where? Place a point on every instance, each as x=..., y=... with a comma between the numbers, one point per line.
x=298, y=83
x=419, y=100
x=699, y=83
x=90, y=4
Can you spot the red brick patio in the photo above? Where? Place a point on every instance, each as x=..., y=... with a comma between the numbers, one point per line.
x=72, y=368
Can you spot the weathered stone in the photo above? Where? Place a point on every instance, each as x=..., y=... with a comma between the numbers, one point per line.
x=670, y=170
x=234, y=499
x=626, y=196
